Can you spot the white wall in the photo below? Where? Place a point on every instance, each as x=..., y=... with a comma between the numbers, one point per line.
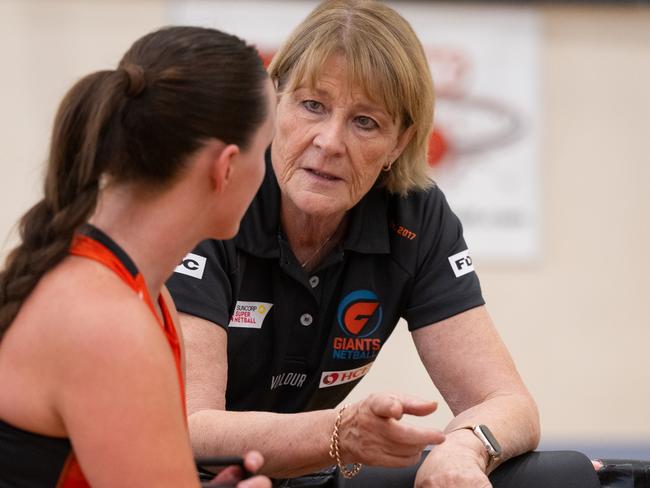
x=45, y=47
x=576, y=321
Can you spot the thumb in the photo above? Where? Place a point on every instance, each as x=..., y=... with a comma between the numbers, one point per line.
x=253, y=461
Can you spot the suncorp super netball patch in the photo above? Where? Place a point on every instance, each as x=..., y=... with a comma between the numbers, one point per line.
x=249, y=315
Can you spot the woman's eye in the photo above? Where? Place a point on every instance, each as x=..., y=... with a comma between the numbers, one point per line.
x=313, y=106
x=366, y=122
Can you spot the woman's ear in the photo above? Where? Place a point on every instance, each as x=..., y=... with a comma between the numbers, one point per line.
x=222, y=166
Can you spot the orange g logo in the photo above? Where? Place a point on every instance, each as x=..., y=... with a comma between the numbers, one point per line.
x=360, y=313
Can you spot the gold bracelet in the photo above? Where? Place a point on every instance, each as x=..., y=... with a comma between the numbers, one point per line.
x=334, y=449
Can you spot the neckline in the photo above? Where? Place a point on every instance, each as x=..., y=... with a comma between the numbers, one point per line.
x=100, y=236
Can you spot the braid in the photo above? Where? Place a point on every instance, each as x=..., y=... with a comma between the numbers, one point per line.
x=76, y=163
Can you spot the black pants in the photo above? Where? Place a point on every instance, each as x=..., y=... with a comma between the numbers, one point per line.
x=548, y=469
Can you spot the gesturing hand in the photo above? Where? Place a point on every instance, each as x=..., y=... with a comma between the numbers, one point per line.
x=370, y=431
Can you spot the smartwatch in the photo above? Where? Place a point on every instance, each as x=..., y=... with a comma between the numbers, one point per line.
x=488, y=440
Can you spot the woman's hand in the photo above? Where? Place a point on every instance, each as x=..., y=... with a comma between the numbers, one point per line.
x=232, y=476
x=458, y=463
x=370, y=431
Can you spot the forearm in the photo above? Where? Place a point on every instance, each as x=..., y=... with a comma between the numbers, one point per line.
x=292, y=444
x=513, y=418
x=462, y=459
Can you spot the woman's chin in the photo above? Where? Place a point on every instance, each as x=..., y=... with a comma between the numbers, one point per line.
x=226, y=233
x=318, y=204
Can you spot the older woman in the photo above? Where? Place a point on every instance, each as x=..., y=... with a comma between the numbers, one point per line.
x=347, y=235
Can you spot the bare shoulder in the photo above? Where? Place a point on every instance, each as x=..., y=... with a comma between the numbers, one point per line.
x=81, y=328
x=109, y=374
x=90, y=311
x=107, y=340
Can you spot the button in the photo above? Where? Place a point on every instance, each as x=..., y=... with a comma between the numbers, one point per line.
x=306, y=319
x=313, y=281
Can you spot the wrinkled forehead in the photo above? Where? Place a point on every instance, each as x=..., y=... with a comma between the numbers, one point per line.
x=362, y=74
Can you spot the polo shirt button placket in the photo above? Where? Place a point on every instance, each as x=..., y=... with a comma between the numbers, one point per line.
x=314, y=281
x=306, y=319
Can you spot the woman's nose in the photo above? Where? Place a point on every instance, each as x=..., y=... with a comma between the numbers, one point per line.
x=330, y=136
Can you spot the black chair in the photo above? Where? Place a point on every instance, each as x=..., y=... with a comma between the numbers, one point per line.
x=543, y=469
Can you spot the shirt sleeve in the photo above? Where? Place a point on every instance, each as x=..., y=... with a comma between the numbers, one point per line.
x=202, y=284
x=444, y=283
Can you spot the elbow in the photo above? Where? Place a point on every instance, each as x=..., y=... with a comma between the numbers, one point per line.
x=534, y=425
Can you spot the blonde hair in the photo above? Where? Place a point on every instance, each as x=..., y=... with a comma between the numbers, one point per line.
x=384, y=57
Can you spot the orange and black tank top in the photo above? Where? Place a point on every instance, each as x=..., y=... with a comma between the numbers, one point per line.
x=32, y=460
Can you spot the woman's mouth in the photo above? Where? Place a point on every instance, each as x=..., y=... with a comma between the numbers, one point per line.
x=321, y=175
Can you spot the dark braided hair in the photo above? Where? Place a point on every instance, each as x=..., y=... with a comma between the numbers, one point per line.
x=173, y=90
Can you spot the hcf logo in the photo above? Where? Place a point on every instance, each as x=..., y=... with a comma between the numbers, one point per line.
x=359, y=313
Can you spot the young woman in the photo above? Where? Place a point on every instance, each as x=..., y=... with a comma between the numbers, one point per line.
x=146, y=161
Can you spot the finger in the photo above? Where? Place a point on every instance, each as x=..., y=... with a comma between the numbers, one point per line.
x=255, y=482
x=227, y=477
x=416, y=406
x=386, y=406
x=253, y=461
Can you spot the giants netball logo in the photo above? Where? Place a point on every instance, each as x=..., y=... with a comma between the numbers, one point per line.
x=360, y=313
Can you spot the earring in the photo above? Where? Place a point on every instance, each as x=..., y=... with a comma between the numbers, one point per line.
x=387, y=167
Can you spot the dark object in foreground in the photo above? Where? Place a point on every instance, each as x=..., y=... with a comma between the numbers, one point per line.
x=624, y=473
x=208, y=466
x=545, y=469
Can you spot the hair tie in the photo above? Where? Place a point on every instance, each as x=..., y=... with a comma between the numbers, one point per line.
x=135, y=80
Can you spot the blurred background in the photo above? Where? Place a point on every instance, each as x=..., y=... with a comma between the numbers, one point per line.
x=541, y=143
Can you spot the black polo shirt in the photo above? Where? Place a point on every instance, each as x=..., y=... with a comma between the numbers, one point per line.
x=299, y=341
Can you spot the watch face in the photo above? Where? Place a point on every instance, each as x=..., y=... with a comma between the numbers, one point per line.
x=490, y=439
